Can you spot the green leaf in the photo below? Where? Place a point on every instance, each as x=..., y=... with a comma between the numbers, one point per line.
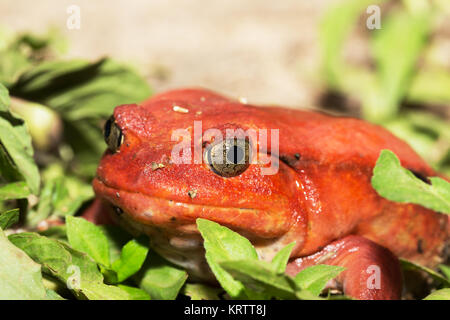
x=445, y=270
x=131, y=259
x=9, y=218
x=315, y=278
x=409, y=265
x=101, y=291
x=16, y=144
x=14, y=190
x=61, y=195
x=69, y=194
x=135, y=293
x=334, y=30
x=117, y=238
x=20, y=276
x=281, y=259
x=160, y=279
x=20, y=51
x=5, y=101
x=198, y=291
x=79, y=89
x=222, y=244
x=443, y=294
x=396, y=57
x=52, y=295
x=260, y=277
x=57, y=257
x=396, y=183
x=73, y=268
x=44, y=207
x=430, y=86
x=87, y=237
x=56, y=232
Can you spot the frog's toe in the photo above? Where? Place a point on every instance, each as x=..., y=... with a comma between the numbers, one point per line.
x=371, y=272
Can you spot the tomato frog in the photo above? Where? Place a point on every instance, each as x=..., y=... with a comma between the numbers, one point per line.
x=318, y=193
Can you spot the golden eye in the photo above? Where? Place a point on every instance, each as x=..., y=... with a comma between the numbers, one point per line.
x=229, y=158
x=112, y=134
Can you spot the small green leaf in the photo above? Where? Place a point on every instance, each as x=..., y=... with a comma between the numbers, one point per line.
x=16, y=143
x=280, y=261
x=5, y=101
x=160, y=279
x=20, y=276
x=396, y=57
x=315, y=278
x=52, y=295
x=101, y=291
x=222, y=244
x=396, y=183
x=14, y=190
x=135, y=293
x=445, y=270
x=9, y=218
x=131, y=259
x=409, y=265
x=117, y=238
x=443, y=294
x=198, y=291
x=61, y=195
x=260, y=277
x=44, y=207
x=73, y=268
x=79, y=89
x=87, y=237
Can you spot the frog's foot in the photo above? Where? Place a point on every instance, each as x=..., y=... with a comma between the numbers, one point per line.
x=371, y=272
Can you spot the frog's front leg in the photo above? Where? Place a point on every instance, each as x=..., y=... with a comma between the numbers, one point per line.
x=98, y=212
x=371, y=272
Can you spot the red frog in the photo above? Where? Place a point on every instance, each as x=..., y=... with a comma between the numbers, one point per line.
x=319, y=196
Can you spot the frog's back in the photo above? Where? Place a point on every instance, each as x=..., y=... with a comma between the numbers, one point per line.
x=313, y=135
x=333, y=158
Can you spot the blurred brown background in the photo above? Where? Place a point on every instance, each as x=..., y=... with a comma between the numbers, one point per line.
x=263, y=50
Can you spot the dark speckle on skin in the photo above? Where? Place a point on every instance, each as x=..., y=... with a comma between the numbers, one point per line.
x=420, y=246
x=173, y=219
x=420, y=176
x=290, y=160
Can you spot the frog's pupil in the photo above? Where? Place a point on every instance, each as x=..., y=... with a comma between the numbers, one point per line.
x=119, y=139
x=235, y=155
x=107, y=130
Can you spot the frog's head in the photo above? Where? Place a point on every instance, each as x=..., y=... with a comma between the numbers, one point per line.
x=157, y=189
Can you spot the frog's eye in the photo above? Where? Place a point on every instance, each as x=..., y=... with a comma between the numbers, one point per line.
x=112, y=134
x=229, y=158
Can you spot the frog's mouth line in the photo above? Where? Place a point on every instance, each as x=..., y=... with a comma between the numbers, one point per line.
x=175, y=215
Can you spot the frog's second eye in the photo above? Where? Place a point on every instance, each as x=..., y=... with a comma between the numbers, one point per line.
x=229, y=158
x=112, y=134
